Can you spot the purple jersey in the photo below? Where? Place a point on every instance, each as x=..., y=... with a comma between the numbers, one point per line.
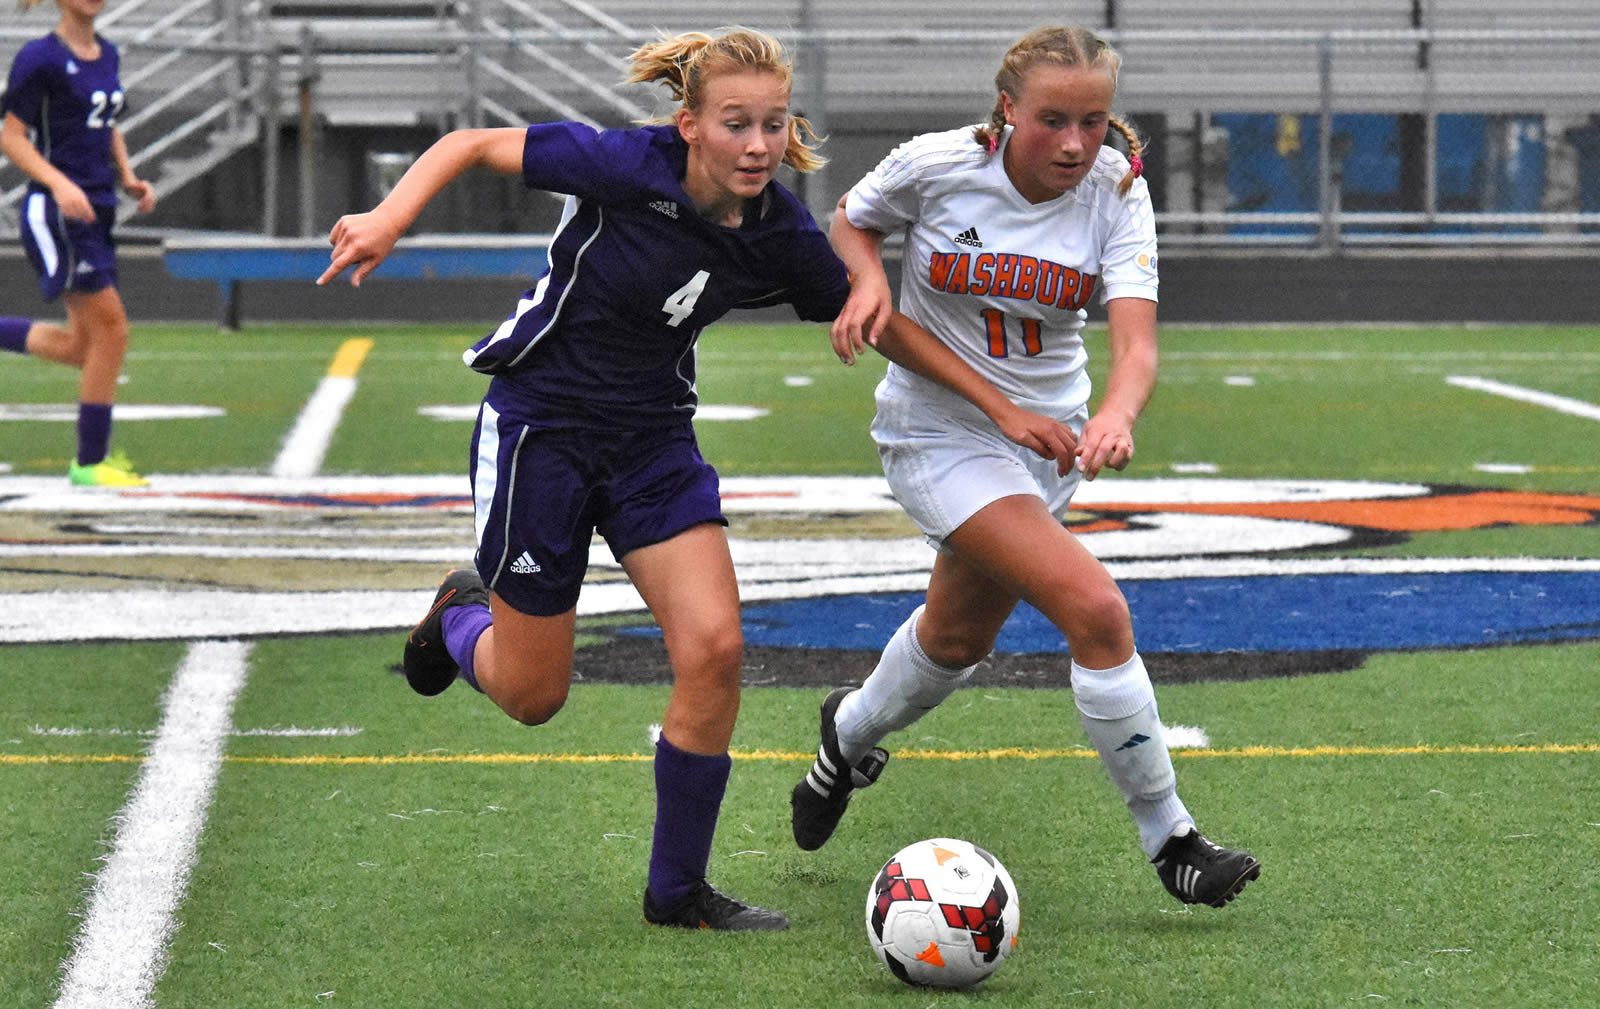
x=70, y=104
x=607, y=336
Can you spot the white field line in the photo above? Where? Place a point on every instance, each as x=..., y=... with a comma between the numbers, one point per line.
x=344, y=532
x=121, y=950
x=1187, y=737
x=307, y=443
x=285, y=732
x=40, y=617
x=1563, y=404
x=415, y=555
x=245, y=492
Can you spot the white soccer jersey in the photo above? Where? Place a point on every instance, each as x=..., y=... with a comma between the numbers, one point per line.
x=1003, y=281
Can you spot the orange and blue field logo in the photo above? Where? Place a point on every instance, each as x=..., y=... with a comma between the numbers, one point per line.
x=1209, y=566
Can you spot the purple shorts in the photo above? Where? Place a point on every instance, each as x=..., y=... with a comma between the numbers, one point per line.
x=68, y=255
x=540, y=494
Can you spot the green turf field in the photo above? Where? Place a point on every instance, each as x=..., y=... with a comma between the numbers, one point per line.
x=1427, y=821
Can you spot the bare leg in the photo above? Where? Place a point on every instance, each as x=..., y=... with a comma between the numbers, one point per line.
x=50, y=342
x=524, y=663
x=99, y=324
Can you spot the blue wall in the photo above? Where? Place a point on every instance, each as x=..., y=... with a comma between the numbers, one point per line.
x=1485, y=163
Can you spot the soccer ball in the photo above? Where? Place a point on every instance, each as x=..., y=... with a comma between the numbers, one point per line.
x=942, y=913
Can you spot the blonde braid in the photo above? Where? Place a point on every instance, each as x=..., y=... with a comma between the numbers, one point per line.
x=1135, y=161
x=989, y=134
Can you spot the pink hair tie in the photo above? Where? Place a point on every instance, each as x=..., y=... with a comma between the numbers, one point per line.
x=1136, y=166
x=992, y=143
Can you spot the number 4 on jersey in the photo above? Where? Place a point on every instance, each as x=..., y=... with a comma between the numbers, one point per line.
x=680, y=303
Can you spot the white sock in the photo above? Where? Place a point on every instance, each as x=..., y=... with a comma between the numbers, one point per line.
x=904, y=686
x=1118, y=709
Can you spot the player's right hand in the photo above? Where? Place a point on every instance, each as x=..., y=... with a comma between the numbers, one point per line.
x=1046, y=437
x=361, y=241
x=72, y=201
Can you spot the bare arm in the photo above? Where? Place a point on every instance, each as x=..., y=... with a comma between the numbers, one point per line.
x=869, y=319
x=134, y=186
x=16, y=146
x=870, y=304
x=1108, y=436
x=363, y=240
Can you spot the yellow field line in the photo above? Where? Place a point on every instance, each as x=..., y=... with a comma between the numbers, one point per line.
x=1008, y=753
x=349, y=357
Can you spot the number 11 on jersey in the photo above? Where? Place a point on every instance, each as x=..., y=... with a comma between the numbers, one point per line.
x=994, y=322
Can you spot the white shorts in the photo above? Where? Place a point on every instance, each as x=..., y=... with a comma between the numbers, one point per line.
x=945, y=461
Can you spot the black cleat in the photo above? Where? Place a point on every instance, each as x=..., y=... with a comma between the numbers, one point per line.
x=428, y=667
x=1198, y=872
x=708, y=907
x=822, y=795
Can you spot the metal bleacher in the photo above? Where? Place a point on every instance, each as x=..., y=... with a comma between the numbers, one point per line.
x=184, y=68
x=213, y=78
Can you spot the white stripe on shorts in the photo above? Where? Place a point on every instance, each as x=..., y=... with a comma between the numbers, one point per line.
x=488, y=474
x=42, y=236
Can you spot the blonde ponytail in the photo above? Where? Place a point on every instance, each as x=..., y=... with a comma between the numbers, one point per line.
x=685, y=62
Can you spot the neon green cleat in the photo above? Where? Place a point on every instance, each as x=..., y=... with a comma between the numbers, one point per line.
x=114, y=471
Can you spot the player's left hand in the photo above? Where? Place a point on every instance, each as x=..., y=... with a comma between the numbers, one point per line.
x=1105, y=442
x=142, y=191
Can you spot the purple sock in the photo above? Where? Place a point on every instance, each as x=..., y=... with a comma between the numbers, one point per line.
x=14, y=333
x=463, y=625
x=94, y=432
x=689, y=788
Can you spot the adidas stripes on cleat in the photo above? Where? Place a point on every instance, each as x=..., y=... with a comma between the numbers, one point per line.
x=707, y=907
x=1198, y=872
x=428, y=666
x=819, y=800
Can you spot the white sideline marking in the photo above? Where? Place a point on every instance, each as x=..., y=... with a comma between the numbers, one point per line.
x=1563, y=404
x=307, y=444
x=121, y=950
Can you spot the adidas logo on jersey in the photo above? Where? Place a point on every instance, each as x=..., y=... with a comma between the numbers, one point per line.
x=970, y=237
x=525, y=565
x=666, y=207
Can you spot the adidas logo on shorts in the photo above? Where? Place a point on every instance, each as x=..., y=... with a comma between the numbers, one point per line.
x=970, y=237
x=525, y=565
